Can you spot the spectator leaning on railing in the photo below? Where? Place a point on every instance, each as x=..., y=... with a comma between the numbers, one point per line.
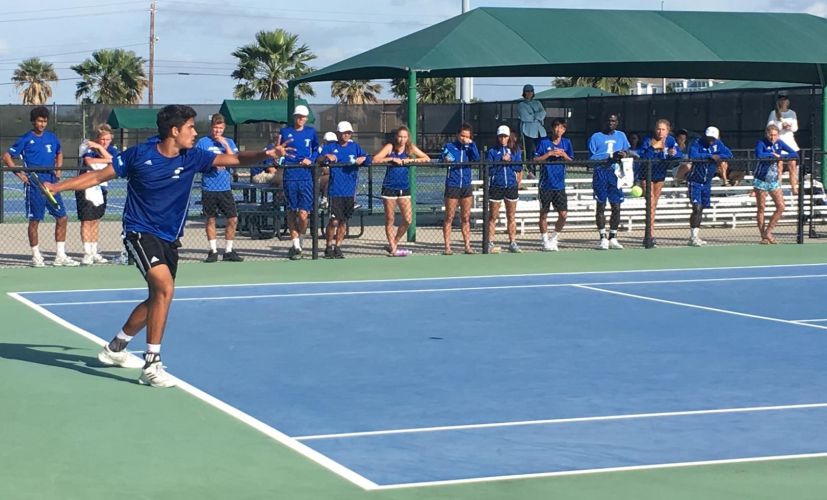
x=458, y=190
x=706, y=153
x=767, y=179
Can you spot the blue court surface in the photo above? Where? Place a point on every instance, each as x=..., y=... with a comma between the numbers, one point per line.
x=398, y=383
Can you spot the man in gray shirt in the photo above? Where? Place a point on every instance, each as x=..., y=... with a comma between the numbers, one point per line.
x=531, y=115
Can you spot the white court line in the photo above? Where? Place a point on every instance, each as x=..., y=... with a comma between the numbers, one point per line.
x=439, y=278
x=819, y=320
x=556, y=421
x=487, y=479
x=695, y=306
x=436, y=290
x=260, y=426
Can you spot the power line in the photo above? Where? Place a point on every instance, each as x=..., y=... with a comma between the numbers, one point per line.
x=17, y=59
x=79, y=7
x=359, y=21
x=66, y=16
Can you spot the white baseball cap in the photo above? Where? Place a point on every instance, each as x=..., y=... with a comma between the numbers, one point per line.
x=712, y=132
x=503, y=130
x=330, y=136
x=301, y=110
x=344, y=126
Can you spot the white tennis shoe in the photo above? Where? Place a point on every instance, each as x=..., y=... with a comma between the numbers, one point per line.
x=604, y=244
x=123, y=358
x=614, y=244
x=65, y=261
x=156, y=376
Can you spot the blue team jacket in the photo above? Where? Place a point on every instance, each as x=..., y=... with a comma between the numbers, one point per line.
x=703, y=172
x=454, y=152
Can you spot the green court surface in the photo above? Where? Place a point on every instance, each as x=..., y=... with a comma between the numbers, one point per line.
x=72, y=430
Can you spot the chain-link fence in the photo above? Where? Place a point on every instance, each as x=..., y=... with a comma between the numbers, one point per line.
x=729, y=218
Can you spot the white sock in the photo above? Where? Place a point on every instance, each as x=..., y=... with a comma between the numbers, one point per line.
x=297, y=243
x=229, y=246
x=545, y=237
x=213, y=246
x=36, y=251
x=153, y=348
x=554, y=235
x=94, y=247
x=123, y=336
x=61, y=249
x=694, y=232
x=88, y=249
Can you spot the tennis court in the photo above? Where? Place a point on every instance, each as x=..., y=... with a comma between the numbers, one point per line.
x=470, y=382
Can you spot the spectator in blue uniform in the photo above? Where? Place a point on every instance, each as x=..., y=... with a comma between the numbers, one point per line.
x=302, y=151
x=217, y=192
x=40, y=150
x=91, y=203
x=458, y=189
x=504, y=174
x=661, y=150
x=611, y=145
x=344, y=158
x=159, y=177
x=396, y=187
x=706, y=153
x=767, y=178
x=552, y=188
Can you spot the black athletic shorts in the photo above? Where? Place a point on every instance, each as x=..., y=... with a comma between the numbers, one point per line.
x=341, y=208
x=88, y=211
x=554, y=197
x=213, y=202
x=457, y=192
x=395, y=193
x=503, y=193
x=148, y=251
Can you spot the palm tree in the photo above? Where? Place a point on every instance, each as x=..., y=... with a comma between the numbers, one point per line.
x=265, y=67
x=428, y=90
x=34, y=75
x=616, y=85
x=111, y=76
x=355, y=91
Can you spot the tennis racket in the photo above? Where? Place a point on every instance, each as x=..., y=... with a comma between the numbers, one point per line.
x=34, y=179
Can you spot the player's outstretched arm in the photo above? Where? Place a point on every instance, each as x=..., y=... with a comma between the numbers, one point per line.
x=82, y=182
x=247, y=157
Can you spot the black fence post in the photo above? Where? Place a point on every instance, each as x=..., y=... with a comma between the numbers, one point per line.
x=2, y=196
x=647, y=233
x=314, y=217
x=370, y=187
x=799, y=234
x=486, y=237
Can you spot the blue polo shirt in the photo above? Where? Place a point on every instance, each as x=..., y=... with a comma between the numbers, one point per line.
x=343, y=178
x=219, y=179
x=37, y=151
x=158, y=188
x=553, y=175
x=306, y=147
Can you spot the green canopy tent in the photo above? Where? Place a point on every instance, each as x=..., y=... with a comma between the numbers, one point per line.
x=240, y=112
x=752, y=85
x=132, y=118
x=509, y=42
x=572, y=93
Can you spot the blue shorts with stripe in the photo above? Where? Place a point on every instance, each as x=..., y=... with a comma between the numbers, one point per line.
x=604, y=184
x=299, y=195
x=36, y=204
x=699, y=194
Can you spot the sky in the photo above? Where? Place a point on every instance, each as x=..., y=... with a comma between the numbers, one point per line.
x=198, y=37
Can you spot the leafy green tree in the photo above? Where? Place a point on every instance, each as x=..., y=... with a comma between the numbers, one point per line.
x=111, y=76
x=265, y=67
x=428, y=90
x=615, y=85
x=355, y=91
x=33, y=76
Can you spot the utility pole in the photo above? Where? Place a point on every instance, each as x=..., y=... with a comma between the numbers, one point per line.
x=464, y=85
x=151, y=93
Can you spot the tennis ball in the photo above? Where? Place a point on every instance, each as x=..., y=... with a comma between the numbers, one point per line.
x=636, y=192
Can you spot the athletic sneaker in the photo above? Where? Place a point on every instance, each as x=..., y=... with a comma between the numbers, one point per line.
x=603, y=245
x=328, y=252
x=514, y=248
x=492, y=248
x=154, y=375
x=87, y=260
x=65, y=261
x=232, y=256
x=37, y=261
x=615, y=245
x=212, y=257
x=123, y=359
x=99, y=259
x=294, y=253
x=337, y=252
x=401, y=252
x=550, y=246
x=696, y=242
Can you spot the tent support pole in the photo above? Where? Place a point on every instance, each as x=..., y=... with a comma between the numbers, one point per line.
x=412, y=114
